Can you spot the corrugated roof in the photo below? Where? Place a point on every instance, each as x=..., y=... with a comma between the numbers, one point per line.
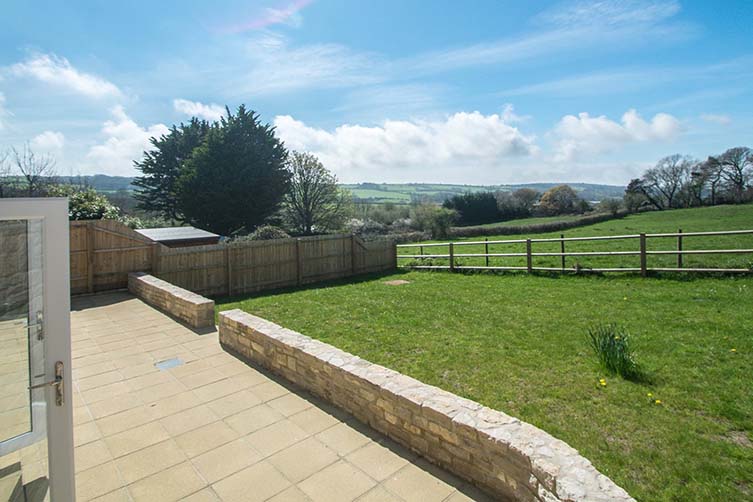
x=176, y=234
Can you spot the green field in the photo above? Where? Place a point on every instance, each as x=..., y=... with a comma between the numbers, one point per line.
x=517, y=343
x=530, y=221
x=689, y=220
x=400, y=193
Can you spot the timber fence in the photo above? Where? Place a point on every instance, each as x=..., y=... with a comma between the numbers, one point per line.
x=635, y=257
x=104, y=252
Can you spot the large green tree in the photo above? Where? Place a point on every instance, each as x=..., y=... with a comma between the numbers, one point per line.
x=161, y=167
x=236, y=178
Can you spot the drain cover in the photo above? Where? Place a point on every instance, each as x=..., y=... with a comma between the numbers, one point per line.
x=169, y=363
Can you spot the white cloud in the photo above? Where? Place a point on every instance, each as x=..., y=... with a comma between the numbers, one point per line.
x=609, y=13
x=720, y=119
x=587, y=135
x=276, y=67
x=196, y=109
x=125, y=142
x=411, y=150
x=48, y=141
x=58, y=71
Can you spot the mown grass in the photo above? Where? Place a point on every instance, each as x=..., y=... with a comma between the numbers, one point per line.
x=518, y=343
x=529, y=221
x=689, y=220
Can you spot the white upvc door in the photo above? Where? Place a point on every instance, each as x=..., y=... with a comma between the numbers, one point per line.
x=35, y=340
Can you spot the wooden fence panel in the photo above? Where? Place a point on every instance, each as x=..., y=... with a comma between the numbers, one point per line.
x=104, y=252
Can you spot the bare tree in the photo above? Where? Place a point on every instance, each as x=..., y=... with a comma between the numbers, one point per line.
x=37, y=170
x=710, y=170
x=6, y=171
x=737, y=170
x=663, y=183
x=314, y=203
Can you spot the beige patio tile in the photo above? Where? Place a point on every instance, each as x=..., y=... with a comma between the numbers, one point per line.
x=119, y=422
x=135, y=439
x=289, y=404
x=174, y=404
x=205, y=438
x=201, y=378
x=205, y=495
x=81, y=415
x=105, y=392
x=276, y=437
x=217, y=389
x=91, y=455
x=377, y=461
x=379, y=494
x=233, y=403
x=133, y=360
x=114, y=405
x=95, y=381
x=269, y=390
x=226, y=460
x=189, y=419
x=253, y=419
x=94, y=369
x=340, y=482
x=161, y=391
x=85, y=433
x=138, y=370
x=189, y=368
x=292, y=494
x=97, y=481
x=343, y=438
x=314, y=420
x=250, y=378
x=415, y=484
x=120, y=495
x=172, y=484
x=150, y=460
x=148, y=380
x=303, y=459
x=256, y=483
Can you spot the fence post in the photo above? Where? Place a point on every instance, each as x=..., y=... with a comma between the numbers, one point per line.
x=643, y=255
x=421, y=250
x=352, y=254
x=229, y=270
x=452, y=258
x=679, y=248
x=299, y=262
x=90, y=241
x=562, y=250
x=486, y=250
x=529, y=258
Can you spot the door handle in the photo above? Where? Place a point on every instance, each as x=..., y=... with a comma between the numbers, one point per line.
x=57, y=383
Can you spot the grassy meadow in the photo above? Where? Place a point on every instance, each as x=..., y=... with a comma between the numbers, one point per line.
x=518, y=343
x=689, y=220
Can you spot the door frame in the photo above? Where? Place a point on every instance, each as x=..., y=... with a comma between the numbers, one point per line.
x=53, y=212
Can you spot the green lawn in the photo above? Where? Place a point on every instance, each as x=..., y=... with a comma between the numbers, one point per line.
x=689, y=220
x=517, y=343
x=529, y=221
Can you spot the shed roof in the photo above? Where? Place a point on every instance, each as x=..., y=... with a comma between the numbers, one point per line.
x=176, y=234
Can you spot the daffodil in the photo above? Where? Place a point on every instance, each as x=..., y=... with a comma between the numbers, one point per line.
x=658, y=401
x=650, y=394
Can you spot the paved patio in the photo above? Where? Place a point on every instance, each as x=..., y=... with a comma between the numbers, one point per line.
x=214, y=428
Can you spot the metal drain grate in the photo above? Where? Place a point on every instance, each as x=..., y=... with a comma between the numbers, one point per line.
x=169, y=363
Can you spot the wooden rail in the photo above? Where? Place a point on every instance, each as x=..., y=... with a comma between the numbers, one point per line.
x=642, y=252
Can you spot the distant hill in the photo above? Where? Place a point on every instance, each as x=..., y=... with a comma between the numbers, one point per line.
x=438, y=192
x=100, y=182
x=399, y=193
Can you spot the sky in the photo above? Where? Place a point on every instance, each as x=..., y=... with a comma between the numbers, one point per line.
x=482, y=92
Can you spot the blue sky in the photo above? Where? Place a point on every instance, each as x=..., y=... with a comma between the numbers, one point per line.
x=388, y=91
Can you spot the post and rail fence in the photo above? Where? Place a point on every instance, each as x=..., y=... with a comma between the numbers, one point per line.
x=429, y=260
x=104, y=252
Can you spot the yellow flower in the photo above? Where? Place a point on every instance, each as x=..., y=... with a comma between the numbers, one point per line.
x=617, y=337
x=733, y=350
x=658, y=401
x=650, y=395
x=624, y=298
x=603, y=382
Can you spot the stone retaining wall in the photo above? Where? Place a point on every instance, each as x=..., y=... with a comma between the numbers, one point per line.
x=510, y=459
x=193, y=309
